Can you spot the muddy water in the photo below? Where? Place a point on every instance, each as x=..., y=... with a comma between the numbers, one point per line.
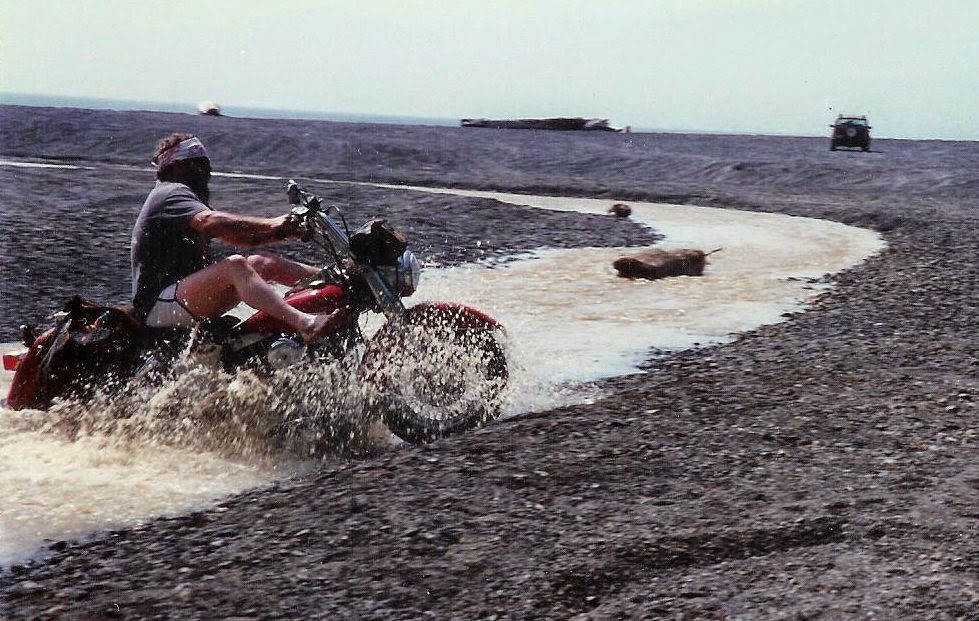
x=570, y=320
x=57, y=488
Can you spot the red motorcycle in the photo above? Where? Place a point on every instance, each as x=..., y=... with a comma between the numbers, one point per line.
x=432, y=369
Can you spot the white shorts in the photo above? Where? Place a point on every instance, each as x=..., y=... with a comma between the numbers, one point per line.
x=168, y=312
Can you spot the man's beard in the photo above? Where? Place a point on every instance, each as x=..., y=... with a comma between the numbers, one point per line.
x=200, y=188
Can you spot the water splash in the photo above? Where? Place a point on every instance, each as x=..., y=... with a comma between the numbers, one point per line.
x=170, y=445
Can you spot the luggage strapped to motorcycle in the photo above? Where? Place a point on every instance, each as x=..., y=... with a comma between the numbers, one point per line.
x=87, y=340
x=378, y=243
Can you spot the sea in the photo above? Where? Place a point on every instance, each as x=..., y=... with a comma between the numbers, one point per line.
x=98, y=103
x=250, y=112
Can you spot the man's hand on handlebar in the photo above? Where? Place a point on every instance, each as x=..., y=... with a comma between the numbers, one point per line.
x=288, y=226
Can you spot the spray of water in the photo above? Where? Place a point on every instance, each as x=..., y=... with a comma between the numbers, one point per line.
x=308, y=411
x=440, y=376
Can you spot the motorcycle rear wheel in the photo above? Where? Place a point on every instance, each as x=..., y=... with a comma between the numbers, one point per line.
x=435, y=382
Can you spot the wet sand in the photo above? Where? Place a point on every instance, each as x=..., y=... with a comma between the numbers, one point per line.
x=823, y=467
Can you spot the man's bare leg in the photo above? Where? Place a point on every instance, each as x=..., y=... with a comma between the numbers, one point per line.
x=217, y=288
x=273, y=268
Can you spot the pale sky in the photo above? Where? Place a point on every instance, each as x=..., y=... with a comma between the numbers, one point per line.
x=757, y=66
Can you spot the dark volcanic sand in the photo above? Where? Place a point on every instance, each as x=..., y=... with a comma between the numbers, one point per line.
x=822, y=468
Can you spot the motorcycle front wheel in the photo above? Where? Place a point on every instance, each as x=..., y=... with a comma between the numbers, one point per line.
x=430, y=381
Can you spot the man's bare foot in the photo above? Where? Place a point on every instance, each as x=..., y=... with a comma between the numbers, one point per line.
x=321, y=324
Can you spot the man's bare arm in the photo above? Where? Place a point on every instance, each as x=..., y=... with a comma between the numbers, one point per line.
x=243, y=231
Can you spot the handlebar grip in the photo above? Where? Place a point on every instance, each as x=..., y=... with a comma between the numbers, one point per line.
x=294, y=191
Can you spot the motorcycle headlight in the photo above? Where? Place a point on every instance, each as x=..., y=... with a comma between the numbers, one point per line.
x=404, y=276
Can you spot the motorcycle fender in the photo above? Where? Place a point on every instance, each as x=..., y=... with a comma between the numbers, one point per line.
x=457, y=315
x=12, y=358
x=27, y=386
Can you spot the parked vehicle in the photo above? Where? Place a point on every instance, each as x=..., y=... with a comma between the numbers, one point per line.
x=435, y=368
x=850, y=131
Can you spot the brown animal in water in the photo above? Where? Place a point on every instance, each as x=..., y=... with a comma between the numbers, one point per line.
x=655, y=263
x=620, y=210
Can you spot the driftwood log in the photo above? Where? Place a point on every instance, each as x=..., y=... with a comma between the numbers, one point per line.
x=655, y=263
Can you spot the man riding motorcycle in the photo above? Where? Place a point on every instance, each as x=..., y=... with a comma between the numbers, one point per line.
x=429, y=370
x=177, y=282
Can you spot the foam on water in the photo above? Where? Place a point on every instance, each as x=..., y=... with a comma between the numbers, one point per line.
x=570, y=320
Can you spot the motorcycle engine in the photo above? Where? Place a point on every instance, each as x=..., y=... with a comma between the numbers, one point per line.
x=404, y=276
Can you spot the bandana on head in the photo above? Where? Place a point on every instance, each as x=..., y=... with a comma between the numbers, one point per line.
x=186, y=150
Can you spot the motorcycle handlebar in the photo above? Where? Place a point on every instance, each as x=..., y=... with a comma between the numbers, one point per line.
x=308, y=207
x=294, y=191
